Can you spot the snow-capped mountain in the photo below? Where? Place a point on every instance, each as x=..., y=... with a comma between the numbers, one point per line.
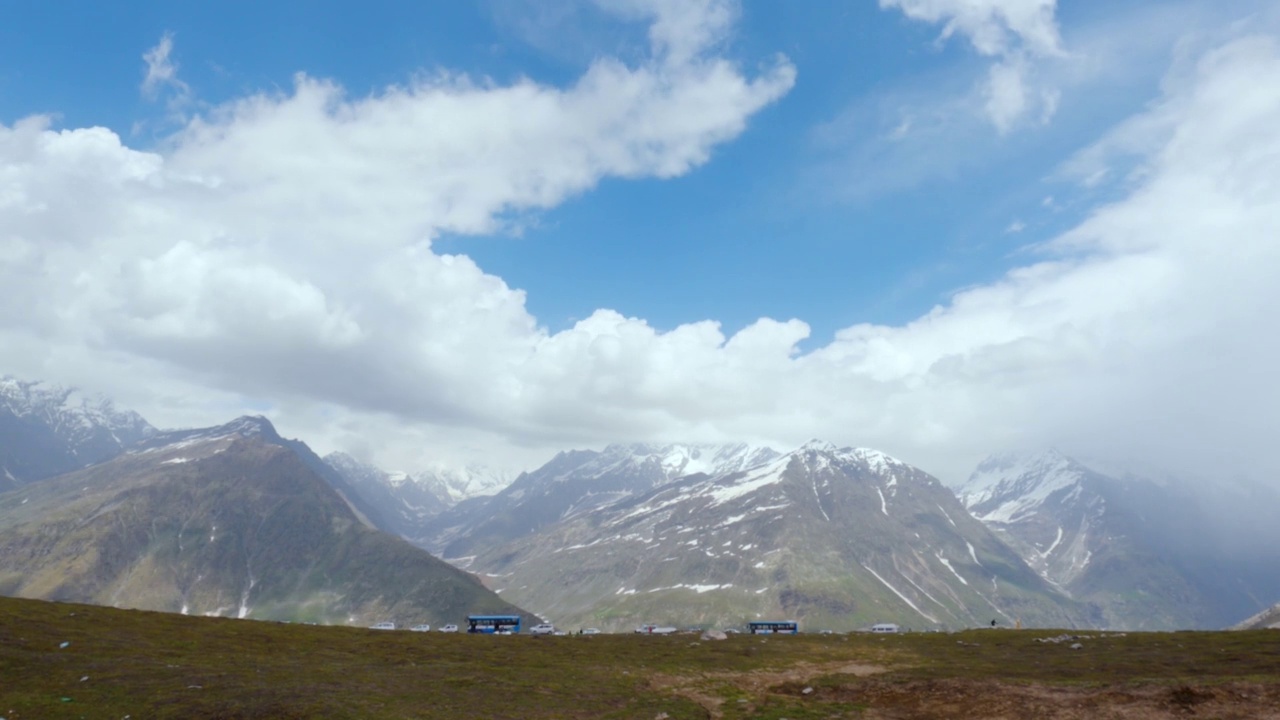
x=835, y=537
x=464, y=483
x=46, y=430
x=1044, y=505
x=1147, y=553
x=246, y=426
x=230, y=521
x=577, y=482
x=403, y=501
x=1268, y=619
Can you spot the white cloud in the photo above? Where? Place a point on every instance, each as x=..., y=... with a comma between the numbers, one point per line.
x=1016, y=32
x=277, y=254
x=162, y=72
x=680, y=29
x=283, y=240
x=1116, y=58
x=1006, y=94
x=993, y=26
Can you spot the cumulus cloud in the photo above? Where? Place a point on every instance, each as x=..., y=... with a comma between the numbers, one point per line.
x=284, y=239
x=277, y=255
x=1016, y=33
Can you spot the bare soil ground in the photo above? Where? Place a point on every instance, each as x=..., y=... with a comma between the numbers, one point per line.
x=928, y=699
x=877, y=698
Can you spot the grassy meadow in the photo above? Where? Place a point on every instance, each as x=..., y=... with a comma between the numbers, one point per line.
x=76, y=661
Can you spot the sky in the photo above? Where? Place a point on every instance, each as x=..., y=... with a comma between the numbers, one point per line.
x=479, y=233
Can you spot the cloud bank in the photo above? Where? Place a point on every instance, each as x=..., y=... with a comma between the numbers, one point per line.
x=275, y=254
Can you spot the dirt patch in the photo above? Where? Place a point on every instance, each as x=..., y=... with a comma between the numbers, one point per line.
x=836, y=689
x=886, y=699
x=708, y=689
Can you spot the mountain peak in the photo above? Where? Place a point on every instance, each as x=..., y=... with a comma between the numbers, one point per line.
x=67, y=408
x=678, y=459
x=877, y=461
x=1012, y=484
x=49, y=429
x=250, y=426
x=246, y=426
x=1022, y=461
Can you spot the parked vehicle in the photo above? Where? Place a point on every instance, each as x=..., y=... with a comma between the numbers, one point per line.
x=383, y=626
x=591, y=631
x=449, y=628
x=773, y=627
x=542, y=629
x=493, y=624
x=421, y=628
x=652, y=629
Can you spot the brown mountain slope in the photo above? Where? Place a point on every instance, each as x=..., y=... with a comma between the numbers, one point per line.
x=836, y=538
x=223, y=525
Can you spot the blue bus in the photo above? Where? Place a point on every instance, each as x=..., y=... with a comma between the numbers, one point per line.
x=491, y=624
x=774, y=627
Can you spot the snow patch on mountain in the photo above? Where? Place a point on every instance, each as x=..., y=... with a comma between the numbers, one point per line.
x=70, y=412
x=242, y=427
x=694, y=587
x=78, y=428
x=1021, y=483
x=879, y=462
x=468, y=481
x=952, y=568
x=897, y=592
x=972, y=553
x=679, y=460
x=770, y=474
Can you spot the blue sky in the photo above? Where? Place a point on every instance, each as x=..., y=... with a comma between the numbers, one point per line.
x=874, y=173
x=755, y=232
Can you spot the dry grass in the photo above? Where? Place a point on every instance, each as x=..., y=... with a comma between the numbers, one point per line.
x=154, y=665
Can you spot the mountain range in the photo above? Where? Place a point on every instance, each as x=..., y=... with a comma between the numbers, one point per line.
x=401, y=502
x=97, y=505
x=231, y=521
x=1149, y=555
x=836, y=537
x=573, y=483
x=48, y=430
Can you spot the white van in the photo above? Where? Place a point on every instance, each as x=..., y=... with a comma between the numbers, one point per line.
x=885, y=628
